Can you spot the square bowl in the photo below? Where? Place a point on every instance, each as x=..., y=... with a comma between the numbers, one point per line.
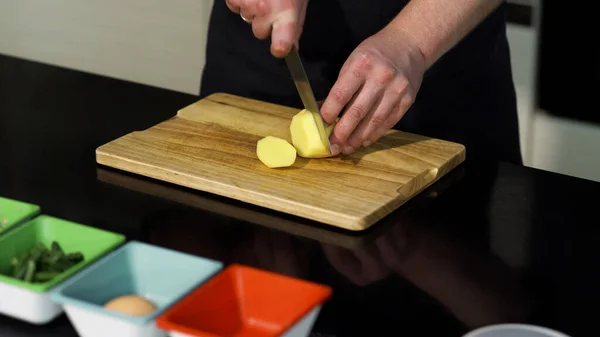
x=157, y=274
x=14, y=212
x=31, y=302
x=245, y=301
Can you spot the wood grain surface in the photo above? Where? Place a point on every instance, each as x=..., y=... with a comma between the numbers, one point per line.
x=211, y=146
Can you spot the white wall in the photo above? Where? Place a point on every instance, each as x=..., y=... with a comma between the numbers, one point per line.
x=154, y=42
x=566, y=146
x=522, y=42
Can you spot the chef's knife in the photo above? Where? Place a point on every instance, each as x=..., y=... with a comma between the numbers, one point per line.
x=294, y=63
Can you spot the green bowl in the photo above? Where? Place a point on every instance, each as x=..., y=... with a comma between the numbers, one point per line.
x=13, y=212
x=30, y=302
x=93, y=243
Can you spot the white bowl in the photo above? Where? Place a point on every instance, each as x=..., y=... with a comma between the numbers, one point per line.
x=514, y=330
x=90, y=323
x=304, y=326
x=27, y=305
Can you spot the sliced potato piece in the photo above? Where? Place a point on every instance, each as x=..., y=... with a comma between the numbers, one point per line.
x=275, y=152
x=305, y=136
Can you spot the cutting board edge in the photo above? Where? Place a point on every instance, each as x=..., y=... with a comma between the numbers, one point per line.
x=394, y=204
x=351, y=223
x=344, y=221
x=245, y=214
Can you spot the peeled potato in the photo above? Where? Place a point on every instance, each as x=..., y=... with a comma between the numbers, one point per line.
x=275, y=152
x=305, y=136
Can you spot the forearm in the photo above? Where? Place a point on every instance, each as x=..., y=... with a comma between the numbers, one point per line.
x=435, y=26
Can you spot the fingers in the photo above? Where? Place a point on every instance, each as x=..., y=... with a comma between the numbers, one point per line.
x=248, y=9
x=282, y=21
x=283, y=36
x=261, y=28
x=374, y=96
x=367, y=109
x=233, y=5
x=351, y=79
x=397, y=113
x=392, y=107
x=256, y=10
x=356, y=111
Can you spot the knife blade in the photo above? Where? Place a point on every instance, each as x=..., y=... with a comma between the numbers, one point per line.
x=305, y=91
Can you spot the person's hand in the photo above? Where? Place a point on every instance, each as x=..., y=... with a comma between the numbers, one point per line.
x=376, y=85
x=283, y=20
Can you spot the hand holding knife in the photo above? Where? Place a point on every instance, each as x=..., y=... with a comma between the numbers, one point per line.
x=294, y=63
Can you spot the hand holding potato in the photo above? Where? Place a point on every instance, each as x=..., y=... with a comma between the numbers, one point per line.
x=282, y=20
x=376, y=86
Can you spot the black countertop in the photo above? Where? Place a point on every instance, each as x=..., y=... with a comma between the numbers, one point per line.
x=490, y=243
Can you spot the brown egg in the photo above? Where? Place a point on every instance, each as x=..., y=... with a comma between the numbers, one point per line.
x=131, y=305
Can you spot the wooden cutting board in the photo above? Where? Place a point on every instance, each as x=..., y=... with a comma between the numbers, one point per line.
x=211, y=146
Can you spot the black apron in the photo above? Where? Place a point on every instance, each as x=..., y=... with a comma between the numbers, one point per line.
x=468, y=96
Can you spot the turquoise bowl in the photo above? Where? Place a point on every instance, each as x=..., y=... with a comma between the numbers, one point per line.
x=160, y=275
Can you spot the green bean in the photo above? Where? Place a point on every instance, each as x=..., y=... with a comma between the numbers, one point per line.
x=40, y=264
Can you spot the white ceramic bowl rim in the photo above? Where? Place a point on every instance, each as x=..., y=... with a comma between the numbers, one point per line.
x=524, y=327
